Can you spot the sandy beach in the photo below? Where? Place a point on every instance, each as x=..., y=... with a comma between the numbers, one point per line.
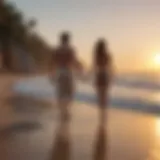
x=30, y=130
x=89, y=52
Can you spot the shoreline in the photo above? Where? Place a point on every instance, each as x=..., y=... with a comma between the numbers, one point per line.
x=32, y=132
x=40, y=88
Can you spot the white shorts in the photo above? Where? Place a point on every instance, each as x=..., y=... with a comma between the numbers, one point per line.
x=64, y=84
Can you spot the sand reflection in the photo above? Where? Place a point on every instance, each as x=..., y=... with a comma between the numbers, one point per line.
x=62, y=146
x=100, y=148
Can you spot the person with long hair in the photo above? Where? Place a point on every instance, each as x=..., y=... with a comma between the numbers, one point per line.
x=103, y=72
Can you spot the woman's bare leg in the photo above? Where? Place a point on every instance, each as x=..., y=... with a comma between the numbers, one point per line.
x=102, y=104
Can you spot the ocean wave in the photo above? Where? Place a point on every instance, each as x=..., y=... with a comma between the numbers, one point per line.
x=40, y=87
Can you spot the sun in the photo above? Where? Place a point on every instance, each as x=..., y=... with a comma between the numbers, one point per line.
x=157, y=59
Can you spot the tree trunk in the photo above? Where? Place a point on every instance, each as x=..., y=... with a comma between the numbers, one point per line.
x=5, y=41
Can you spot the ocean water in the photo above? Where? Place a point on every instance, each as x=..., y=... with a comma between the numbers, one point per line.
x=133, y=93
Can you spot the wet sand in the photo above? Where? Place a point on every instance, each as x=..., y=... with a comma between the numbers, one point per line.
x=31, y=130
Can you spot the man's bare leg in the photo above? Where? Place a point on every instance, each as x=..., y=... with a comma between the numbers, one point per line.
x=64, y=105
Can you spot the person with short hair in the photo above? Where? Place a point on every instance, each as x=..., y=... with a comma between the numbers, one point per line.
x=64, y=61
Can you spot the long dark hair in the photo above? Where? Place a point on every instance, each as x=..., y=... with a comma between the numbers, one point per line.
x=101, y=53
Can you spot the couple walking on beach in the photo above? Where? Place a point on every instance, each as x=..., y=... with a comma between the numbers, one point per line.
x=65, y=62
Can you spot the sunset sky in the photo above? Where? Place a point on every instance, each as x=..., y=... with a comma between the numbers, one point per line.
x=132, y=27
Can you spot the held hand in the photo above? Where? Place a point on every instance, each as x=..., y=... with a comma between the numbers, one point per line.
x=51, y=77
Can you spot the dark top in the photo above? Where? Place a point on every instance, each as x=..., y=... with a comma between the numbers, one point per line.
x=102, y=61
